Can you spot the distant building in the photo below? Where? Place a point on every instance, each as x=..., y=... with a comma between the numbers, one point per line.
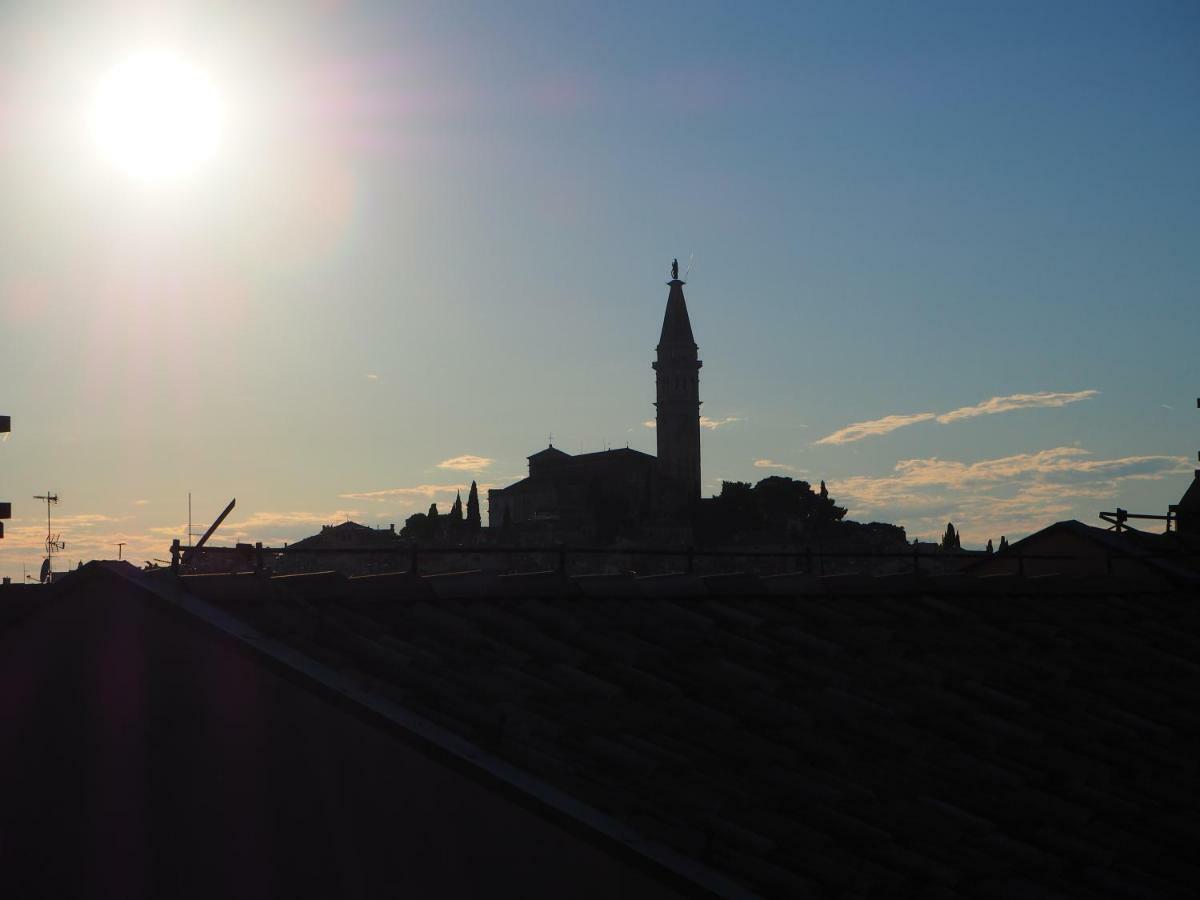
x=1073, y=548
x=593, y=494
x=1187, y=510
x=621, y=492
x=350, y=537
x=349, y=534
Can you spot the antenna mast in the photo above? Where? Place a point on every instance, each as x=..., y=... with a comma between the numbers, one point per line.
x=53, y=541
x=5, y=506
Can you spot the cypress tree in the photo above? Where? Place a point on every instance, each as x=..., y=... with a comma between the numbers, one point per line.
x=950, y=540
x=474, y=522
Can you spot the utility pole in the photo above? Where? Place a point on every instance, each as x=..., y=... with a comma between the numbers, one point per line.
x=120, y=547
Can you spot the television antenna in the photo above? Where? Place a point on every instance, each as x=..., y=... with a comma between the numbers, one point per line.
x=53, y=541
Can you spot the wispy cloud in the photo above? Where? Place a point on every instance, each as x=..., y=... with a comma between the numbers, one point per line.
x=427, y=491
x=371, y=376
x=714, y=424
x=771, y=464
x=1042, y=399
x=257, y=523
x=268, y=519
x=872, y=427
x=466, y=463
x=992, y=406
x=141, y=502
x=705, y=422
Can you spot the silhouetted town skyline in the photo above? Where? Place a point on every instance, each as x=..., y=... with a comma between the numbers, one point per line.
x=350, y=547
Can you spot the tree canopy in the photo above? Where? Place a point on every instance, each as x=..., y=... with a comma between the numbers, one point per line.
x=777, y=508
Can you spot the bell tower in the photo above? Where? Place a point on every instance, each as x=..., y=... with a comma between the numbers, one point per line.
x=677, y=421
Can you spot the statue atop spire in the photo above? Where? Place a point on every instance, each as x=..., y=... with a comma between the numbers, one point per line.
x=675, y=270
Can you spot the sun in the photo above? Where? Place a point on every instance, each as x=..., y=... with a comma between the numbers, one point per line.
x=157, y=116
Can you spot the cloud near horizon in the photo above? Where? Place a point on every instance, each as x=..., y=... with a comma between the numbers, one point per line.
x=1004, y=495
x=705, y=422
x=88, y=536
x=466, y=463
x=254, y=524
x=992, y=406
x=771, y=464
x=426, y=491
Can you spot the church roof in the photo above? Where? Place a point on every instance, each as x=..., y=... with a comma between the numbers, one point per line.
x=677, y=327
x=618, y=453
x=550, y=453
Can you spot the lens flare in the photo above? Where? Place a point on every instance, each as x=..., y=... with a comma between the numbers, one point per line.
x=157, y=116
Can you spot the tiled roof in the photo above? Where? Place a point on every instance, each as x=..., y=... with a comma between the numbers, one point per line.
x=1023, y=738
x=154, y=746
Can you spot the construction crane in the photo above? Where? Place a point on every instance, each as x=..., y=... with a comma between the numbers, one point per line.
x=187, y=556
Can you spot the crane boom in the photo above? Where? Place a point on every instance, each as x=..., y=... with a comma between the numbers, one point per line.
x=211, y=528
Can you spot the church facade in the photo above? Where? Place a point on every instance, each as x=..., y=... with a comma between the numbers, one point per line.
x=622, y=492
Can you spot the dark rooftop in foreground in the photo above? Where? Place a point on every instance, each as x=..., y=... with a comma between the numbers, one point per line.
x=789, y=737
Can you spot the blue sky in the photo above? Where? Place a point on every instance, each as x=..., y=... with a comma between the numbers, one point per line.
x=435, y=231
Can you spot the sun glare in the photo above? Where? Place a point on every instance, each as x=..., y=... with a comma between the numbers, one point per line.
x=157, y=116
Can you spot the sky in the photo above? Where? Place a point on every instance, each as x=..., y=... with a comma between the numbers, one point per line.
x=942, y=256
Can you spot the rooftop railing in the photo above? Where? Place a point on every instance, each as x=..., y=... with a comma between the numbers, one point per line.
x=810, y=560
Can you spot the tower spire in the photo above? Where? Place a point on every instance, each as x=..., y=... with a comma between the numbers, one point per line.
x=678, y=394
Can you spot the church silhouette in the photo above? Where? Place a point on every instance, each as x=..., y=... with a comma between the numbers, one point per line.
x=622, y=492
